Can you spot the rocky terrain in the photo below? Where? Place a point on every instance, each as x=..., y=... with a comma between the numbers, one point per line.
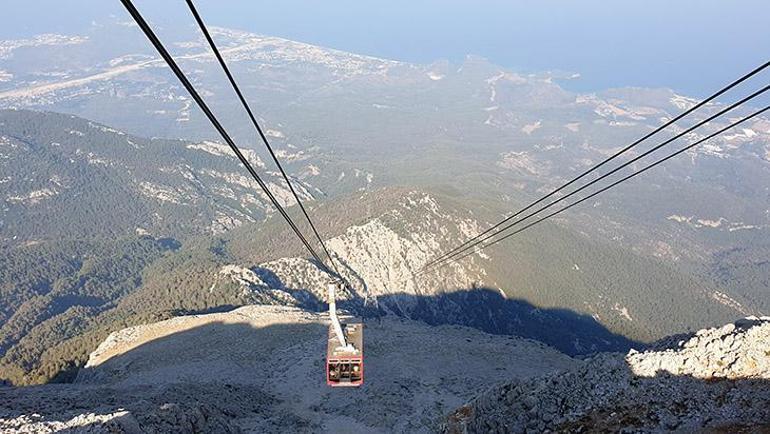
x=715, y=379
x=260, y=369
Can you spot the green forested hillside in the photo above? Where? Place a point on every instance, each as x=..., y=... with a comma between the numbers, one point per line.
x=80, y=229
x=66, y=176
x=638, y=296
x=51, y=290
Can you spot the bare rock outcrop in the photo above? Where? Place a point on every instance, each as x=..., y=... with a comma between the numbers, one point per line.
x=739, y=350
x=717, y=377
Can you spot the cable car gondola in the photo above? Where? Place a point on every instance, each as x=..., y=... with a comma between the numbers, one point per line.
x=345, y=347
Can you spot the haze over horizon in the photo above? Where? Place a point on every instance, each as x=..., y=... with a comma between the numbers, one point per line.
x=645, y=44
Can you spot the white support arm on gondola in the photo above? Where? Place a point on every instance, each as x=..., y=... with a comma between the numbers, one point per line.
x=333, y=316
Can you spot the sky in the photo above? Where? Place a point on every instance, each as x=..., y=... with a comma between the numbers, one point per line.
x=692, y=46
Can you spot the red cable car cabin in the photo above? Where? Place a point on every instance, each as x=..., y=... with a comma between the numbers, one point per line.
x=345, y=364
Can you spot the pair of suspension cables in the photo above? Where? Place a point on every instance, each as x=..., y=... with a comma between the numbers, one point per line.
x=500, y=231
x=139, y=19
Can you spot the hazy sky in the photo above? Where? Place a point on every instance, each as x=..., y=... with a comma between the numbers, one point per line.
x=692, y=46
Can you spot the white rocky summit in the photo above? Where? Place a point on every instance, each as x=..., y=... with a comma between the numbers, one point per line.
x=739, y=350
x=715, y=380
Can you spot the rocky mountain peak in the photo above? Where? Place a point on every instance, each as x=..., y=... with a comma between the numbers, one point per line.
x=738, y=350
x=714, y=378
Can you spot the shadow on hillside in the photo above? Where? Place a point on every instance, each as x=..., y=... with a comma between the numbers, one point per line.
x=487, y=310
x=202, y=376
x=189, y=381
x=205, y=351
x=481, y=308
x=484, y=309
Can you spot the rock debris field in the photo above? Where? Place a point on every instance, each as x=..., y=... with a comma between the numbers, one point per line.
x=261, y=369
x=715, y=379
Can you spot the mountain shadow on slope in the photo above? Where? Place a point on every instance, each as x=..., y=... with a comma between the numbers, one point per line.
x=415, y=373
x=482, y=308
x=485, y=309
x=171, y=405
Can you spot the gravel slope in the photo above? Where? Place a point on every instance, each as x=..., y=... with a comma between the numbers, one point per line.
x=260, y=369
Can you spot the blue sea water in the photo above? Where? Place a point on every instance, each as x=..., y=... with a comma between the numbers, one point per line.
x=692, y=46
